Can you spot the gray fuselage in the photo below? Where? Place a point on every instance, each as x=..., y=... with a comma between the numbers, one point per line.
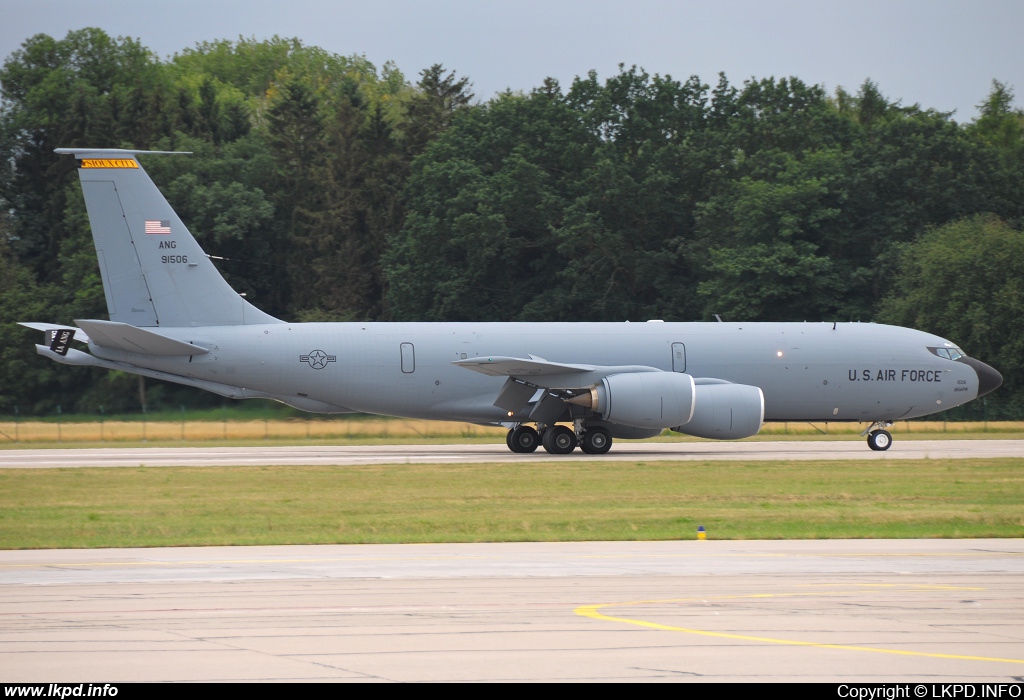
x=807, y=371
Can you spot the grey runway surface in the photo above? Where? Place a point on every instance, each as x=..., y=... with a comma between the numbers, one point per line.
x=928, y=611
x=399, y=454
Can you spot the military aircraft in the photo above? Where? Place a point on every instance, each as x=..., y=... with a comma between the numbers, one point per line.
x=173, y=317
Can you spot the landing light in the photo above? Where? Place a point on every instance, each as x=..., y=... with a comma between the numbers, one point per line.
x=778, y=354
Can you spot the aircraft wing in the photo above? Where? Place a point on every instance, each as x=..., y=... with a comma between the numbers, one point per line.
x=520, y=368
x=526, y=375
x=541, y=374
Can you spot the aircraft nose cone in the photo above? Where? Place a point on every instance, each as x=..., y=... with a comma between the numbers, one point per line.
x=988, y=378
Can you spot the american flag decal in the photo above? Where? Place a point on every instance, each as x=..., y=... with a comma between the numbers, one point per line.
x=153, y=226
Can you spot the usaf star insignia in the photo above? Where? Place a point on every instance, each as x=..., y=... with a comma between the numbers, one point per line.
x=318, y=359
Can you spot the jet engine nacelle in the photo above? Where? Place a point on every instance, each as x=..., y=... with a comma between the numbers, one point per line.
x=653, y=400
x=725, y=412
x=625, y=432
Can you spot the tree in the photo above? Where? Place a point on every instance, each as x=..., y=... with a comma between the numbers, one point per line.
x=965, y=281
x=82, y=90
x=1000, y=128
x=482, y=202
x=771, y=261
x=998, y=122
x=439, y=97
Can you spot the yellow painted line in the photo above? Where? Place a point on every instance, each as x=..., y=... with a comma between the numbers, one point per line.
x=591, y=611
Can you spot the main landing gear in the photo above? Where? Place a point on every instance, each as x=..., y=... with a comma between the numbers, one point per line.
x=559, y=439
x=522, y=439
x=596, y=441
x=879, y=439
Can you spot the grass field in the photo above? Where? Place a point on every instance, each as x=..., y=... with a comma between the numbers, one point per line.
x=535, y=501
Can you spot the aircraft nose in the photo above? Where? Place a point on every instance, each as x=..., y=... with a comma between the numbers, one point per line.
x=988, y=378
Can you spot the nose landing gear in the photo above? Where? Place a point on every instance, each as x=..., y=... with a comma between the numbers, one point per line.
x=879, y=439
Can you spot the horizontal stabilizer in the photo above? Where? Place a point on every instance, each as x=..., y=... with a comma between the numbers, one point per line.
x=114, y=152
x=49, y=328
x=123, y=336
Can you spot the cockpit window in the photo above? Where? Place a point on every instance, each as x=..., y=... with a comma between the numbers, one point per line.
x=949, y=353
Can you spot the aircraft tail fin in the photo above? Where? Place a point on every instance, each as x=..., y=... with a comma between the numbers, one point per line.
x=154, y=272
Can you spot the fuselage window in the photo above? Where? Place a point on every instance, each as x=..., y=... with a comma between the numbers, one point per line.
x=408, y=358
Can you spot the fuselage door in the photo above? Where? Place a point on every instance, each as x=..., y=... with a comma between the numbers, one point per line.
x=408, y=358
x=678, y=357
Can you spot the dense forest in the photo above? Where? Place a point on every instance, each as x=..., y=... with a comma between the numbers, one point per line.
x=331, y=189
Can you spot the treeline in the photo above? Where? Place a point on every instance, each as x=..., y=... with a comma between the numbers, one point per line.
x=334, y=190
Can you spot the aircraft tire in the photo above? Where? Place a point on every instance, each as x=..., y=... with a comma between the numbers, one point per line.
x=879, y=440
x=559, y=440
x=523, y=439
x=596, y=441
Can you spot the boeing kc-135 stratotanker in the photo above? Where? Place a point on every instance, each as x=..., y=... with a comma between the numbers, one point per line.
x=173, y=317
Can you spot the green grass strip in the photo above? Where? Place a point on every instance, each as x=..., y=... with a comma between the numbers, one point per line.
x=534, y=501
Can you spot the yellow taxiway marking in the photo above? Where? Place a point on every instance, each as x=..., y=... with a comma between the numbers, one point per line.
x=592, y=611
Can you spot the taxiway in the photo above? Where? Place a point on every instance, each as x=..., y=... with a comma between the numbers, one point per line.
x=865, y=611
x=342, y=455
x=929, y=611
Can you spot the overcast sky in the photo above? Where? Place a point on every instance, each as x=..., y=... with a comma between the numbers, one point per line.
x=940, y=54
